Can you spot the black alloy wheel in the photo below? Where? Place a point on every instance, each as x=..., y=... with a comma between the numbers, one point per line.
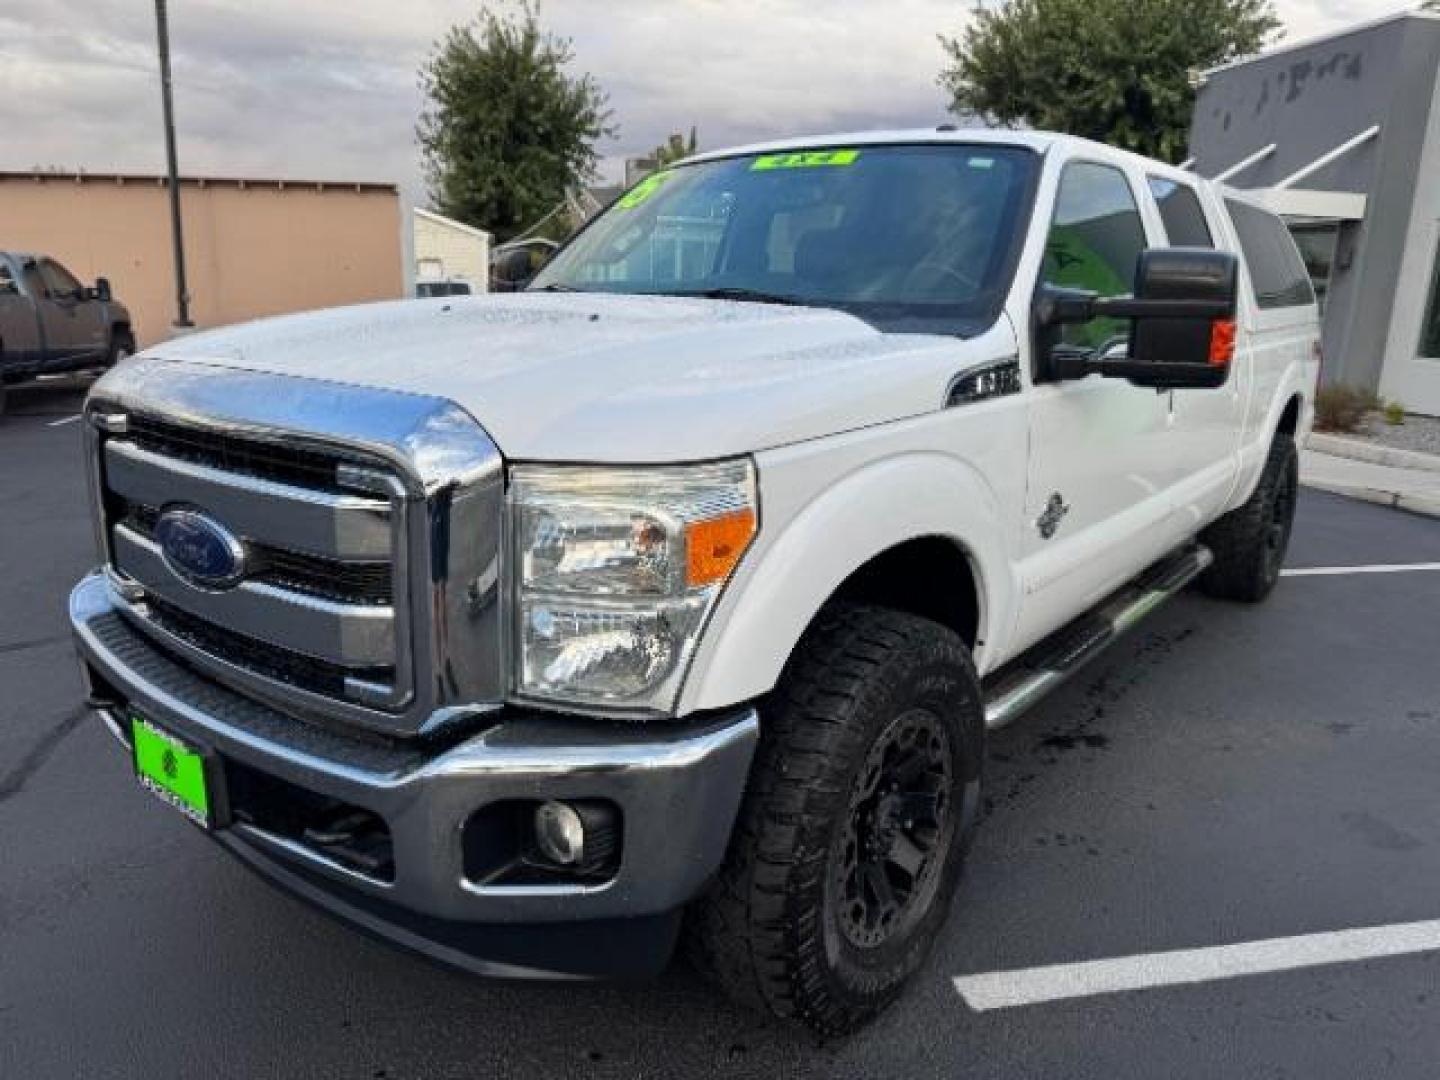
x=900, y=823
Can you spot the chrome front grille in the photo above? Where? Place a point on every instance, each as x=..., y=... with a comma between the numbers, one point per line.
x=296, y=465
x=370, y=527
x=291, y=668
x=345, y=581
x=276, y=620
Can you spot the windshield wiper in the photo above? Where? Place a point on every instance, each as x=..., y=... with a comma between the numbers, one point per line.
x=756, y=296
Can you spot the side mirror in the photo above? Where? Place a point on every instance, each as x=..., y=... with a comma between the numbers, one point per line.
x=1182, y=333
x=512, y=270
x=101, y=291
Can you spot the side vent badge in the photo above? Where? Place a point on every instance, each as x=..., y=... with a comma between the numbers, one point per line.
x=1049, y=521
x=993, y=380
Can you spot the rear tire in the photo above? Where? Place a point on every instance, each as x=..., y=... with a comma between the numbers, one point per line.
x=1249, y=543
x=850, y=841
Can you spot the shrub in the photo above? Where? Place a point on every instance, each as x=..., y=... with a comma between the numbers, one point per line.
x=1394, y=413
x=1341, y=408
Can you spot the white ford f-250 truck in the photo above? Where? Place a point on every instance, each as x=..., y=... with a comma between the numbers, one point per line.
x=688, y=581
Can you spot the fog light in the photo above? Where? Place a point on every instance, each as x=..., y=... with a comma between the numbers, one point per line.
x=559, y=833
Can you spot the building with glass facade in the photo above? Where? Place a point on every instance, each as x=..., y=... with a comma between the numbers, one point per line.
x=1342, y=136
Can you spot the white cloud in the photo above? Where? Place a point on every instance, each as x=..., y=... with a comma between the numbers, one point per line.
x=327, y=90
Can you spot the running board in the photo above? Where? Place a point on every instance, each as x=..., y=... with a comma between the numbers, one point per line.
x=1042, y=668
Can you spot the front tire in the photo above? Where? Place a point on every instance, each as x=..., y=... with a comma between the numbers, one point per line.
x=850, y=841
x=122, y=347
x=1249, y=543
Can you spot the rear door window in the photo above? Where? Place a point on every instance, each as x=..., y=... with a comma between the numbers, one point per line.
x=1180, y=210
x=1277, y=274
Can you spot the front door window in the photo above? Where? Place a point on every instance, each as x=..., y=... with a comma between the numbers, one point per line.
x=1095, y=240
x=59, y=282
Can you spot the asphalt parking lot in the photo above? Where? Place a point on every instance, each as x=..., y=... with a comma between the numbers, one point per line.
x=1225, y=775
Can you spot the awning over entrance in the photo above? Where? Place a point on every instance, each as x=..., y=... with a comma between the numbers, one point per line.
x=1316, y=205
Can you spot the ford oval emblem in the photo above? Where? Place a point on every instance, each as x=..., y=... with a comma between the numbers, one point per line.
x=200, y=549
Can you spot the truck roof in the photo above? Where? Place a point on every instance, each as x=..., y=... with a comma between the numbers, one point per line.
x=1039, y=141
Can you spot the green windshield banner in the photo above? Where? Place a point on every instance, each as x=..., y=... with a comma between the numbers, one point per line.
x=804, y=159
x=643, y=190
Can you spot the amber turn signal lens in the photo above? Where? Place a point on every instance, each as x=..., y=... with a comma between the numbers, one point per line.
x=713, y=547
x=1222, y=342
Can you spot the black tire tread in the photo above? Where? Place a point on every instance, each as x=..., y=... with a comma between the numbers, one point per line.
x=119, y=336
x=748, y=934
x=1236, y=540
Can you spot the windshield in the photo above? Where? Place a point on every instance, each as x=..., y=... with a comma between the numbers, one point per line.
x=910, y=238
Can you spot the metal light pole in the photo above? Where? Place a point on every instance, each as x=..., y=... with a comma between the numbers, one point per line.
x=182, y=293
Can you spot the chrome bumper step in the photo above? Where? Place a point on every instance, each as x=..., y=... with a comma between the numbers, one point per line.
x=1044, y=667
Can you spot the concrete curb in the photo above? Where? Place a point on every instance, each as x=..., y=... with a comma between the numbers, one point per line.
x=1427, y=505
x=1360, y=450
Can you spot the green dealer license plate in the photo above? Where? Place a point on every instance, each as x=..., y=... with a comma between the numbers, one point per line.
x=173, y=771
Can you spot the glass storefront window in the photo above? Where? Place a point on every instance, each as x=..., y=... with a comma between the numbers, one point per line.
x=1317, y=243
x=1430, y=331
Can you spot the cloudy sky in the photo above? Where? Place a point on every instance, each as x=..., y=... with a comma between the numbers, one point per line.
x=326, y=89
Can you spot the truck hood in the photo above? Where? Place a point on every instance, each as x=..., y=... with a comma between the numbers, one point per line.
x=596, y=377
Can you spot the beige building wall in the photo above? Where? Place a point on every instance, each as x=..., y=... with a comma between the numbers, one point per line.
x=252, y=247
x=446, y=249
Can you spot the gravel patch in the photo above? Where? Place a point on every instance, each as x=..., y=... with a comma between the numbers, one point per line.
x=1418, y=433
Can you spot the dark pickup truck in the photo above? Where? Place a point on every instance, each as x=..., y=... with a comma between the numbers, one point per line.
x=50, y=323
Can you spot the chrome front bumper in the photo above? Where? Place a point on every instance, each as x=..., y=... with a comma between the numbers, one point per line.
x=678, y=788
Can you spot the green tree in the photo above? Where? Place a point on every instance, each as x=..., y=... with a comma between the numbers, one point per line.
x=506, y=129
x=675, y=149
x=1119, y=71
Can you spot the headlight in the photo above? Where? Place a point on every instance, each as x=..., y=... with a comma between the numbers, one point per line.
x=615, y=572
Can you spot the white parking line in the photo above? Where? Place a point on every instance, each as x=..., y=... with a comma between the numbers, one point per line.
x=63, y=420
x=1032, y=986
x=1381, y=568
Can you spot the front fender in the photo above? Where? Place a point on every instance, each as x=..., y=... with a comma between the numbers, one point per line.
x=116, y=313
x=809, y=545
